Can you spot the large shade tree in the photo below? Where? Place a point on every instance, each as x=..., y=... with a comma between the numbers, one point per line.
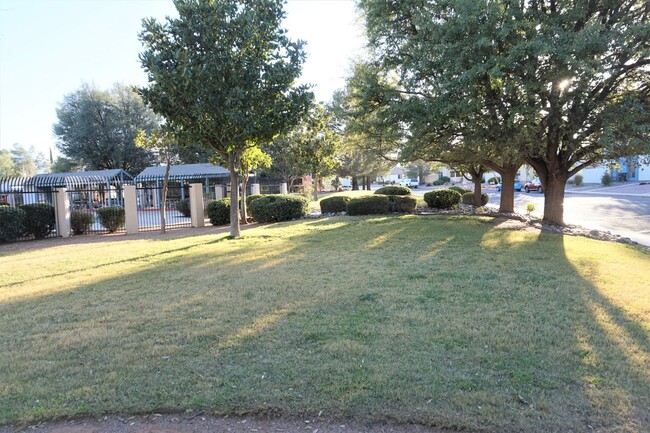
x=96, y=129
x=563, y=84
x=223, y=75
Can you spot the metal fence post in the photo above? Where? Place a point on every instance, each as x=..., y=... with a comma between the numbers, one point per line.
x=283, y=188
x=130, y=209
x=62, y=212
x=196, y=205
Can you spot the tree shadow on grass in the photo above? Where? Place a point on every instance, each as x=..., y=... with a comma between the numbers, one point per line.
x=406, y=319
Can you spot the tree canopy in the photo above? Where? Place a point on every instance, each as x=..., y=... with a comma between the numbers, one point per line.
x=223, y=75
x=560, y=84
x=96, y=128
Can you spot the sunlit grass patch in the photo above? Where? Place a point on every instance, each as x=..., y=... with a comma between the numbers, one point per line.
x=444, y=321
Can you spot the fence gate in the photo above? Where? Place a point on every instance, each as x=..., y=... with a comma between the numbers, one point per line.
x=149, y=199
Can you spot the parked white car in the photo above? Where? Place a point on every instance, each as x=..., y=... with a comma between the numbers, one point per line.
x=411, y=183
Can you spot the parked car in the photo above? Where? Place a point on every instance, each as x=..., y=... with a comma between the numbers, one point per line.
x=411, y=183
x=535, y=185
x=517, y=186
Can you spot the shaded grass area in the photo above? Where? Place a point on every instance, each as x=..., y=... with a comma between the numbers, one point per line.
x=443, y=321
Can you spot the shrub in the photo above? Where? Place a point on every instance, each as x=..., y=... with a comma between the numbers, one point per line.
x=606, y=179
x=251, y=198
x=494, y=180
x=468, y=198
x=81, y=221
x=438, y=182
x=279, y=207
x=442, y=198
x=219, y=212
x=530, y=207
x=394, y=190
x=458, y=189
x=111, y=217
x=445, y=179
x=183, y=206
x=578, y=180
x=12, y=223
x=369, y=205
x=39, y=219
x=401, y=203
x=334, y=204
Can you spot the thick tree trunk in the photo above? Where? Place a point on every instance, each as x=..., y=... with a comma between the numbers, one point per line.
x=554, y=200
x=477, y=189
x=508, y=174
x=235, y=230
x=355, y=183
x=368, y=182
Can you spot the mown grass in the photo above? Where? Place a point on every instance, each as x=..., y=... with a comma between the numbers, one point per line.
x=444, y=321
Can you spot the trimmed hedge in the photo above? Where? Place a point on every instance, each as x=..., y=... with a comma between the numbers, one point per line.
x=81, y=221
x=12, y=223
x=279, y=207
x=111, y=217
x=394, y=190
x=438, y=182
x=183, y=206
x=468, y=198
x=334, y=204
x=219, y=212
x=370, y=205
x=401, y=203
x=251, y=198
x=442, y=198
x=458, y=189
x=39, y=219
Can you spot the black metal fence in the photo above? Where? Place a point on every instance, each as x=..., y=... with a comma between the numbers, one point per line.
x=23, y=193
x=149, y=194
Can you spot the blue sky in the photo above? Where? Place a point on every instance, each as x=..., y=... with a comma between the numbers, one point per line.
x=48, y=48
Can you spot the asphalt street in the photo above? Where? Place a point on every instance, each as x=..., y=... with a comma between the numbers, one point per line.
x=600, y=209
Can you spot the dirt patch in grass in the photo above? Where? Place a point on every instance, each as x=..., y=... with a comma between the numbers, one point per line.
x=192, y=423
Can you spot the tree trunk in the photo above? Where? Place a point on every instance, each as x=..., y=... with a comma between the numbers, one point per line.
x=553, y=178
x=244, y=213
x=235, y=230
x=554, y=200
x=477, y=189
x=508, y=172
x=316, y=185
x=163, y=205
x=355, y=183
x=368, y=182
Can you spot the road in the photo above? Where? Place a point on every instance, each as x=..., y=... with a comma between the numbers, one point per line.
x=625, y=215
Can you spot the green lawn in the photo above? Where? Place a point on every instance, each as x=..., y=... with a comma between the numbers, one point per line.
x=445, y=321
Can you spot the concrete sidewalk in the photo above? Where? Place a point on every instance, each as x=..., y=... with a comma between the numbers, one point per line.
x=635, y=189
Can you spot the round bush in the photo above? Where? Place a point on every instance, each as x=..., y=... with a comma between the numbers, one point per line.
x=401, y=203
x=606, y=179
x=111, y=217
x=81, y=221
x=251, y=198
x=12, y=223
x=334, y=204
x=442, y=198
x=468, y=198
x=438, y=182
x=458, y=189
x=578, y=180
x=279, y=207
x=183, y=206
x=39, y=219
x=394, y=190
x=219, y=212
x=370, y=205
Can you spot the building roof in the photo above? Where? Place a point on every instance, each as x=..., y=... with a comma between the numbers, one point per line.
x=79, y=177
x=184, y=171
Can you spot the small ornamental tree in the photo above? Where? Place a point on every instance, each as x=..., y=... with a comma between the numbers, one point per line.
x=222, y=74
